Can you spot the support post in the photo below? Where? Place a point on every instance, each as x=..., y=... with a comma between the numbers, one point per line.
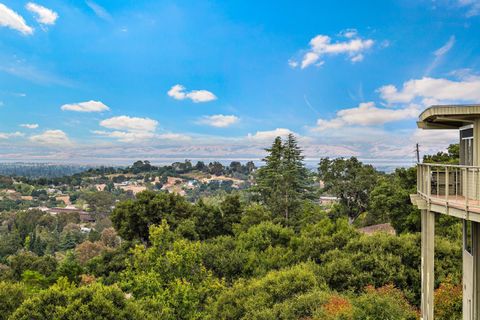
x=428, y=236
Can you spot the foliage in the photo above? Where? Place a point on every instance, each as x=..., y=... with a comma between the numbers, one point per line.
x=11, y=297
x=349, y=180
x=452, y=156
x=65, y=301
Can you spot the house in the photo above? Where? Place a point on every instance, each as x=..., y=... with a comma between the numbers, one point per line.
x=328, y=200
x=84, y=216
x=452, y=190
x=384, y=228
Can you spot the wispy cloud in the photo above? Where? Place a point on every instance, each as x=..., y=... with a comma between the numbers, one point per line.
x=29, y=125
x=178, y=92
x=99, y=11
x=439, y=54
x=12, y=20
x=353, y=46
x=219, y=120
x=4, y=135
x=473, y=7
x=19, y=68
x=44, y=15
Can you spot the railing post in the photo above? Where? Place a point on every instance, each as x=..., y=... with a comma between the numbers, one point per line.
x=466, y=187
x=429, y=181
x=447, y=184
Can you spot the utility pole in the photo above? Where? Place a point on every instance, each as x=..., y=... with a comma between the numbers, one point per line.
x=417, y=150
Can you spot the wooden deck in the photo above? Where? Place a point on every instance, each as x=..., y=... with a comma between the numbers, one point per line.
x=457, y=202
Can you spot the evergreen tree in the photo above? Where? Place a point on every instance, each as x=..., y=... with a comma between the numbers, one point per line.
x=269, y=176
x=283, y=182
x=295, y=185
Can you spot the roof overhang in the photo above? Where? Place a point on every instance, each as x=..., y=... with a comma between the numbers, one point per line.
x=448, y=116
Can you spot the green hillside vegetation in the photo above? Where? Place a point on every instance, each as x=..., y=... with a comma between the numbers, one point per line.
x=269, y=250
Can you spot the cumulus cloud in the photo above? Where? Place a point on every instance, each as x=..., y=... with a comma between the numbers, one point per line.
x=4, y=135
x=88, y=106
x=43, y=15
x=12, y=20
x=29, y=125
x=130, y=124
x=51, y=138
x=219, y=120
x=433, y=90
x=128, y=129
x=178, y=92
x=367, y=114
x=321, y=45
x=264, y=136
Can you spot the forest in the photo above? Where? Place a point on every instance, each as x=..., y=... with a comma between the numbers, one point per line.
x=270, y=250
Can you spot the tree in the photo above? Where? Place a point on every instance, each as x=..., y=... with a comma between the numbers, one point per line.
x=295, y=176
x=65, y=301
x=349, y=180
x=283, y=181
x=88, y=250
x=169, y=277
x=11, y=297
x=390, y=202
x=133, y=218
x=70, y=268
x=452, y=156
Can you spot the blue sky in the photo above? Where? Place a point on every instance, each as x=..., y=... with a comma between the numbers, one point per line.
x=112, y=81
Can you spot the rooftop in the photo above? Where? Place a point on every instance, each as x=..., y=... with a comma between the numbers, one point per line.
x=448, y=116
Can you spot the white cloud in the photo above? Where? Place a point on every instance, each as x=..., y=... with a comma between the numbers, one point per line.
x=433, y=90
x=129, y=129
x=446, y=47
x=263, y=136
x=174, y=137
x=322, y=45
x=439, y=54
x=4, y=135
x=367, y=114
x=130, y=124
x=219, y=120
x=99, y=11
x=29, y=125
x=44, y=15
x=127, y=136
x=88, y=106
x=472, y=5
x=51, y=138
x=178, y=92
x=12, y=20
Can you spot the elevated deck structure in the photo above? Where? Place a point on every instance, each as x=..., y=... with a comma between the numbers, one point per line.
x=452, y=190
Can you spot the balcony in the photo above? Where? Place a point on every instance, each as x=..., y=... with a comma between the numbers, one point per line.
x=449, y=189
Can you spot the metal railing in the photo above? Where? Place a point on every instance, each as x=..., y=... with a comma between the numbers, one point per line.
x=451, y=184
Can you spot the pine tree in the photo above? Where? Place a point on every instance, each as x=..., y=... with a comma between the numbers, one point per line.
x=283, y=181
x=295, y=176
x=269, y=176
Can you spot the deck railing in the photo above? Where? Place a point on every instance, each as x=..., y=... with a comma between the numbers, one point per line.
x=449, y=183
